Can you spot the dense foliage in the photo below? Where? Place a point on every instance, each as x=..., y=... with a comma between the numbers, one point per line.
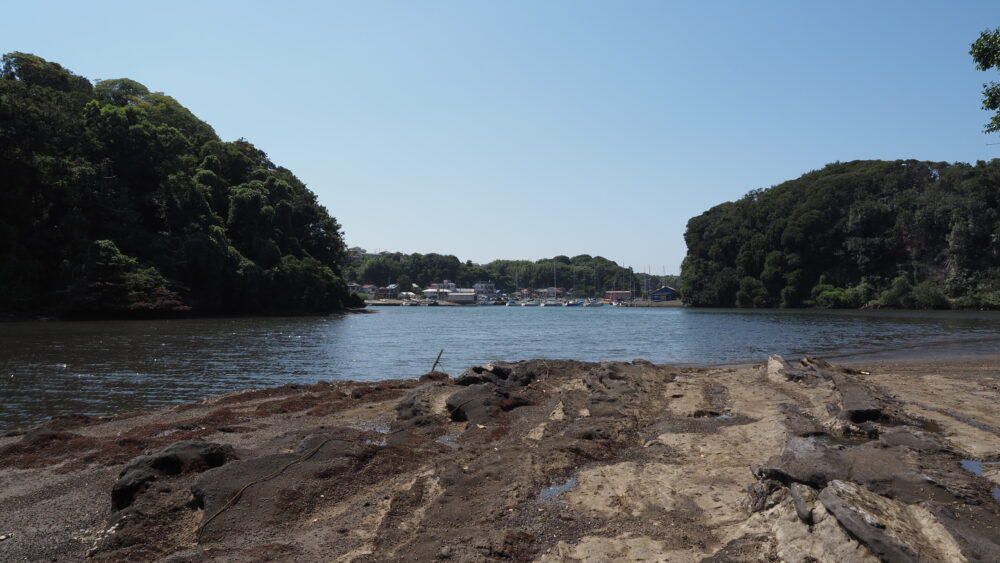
x=986, y=53
x=901, y=234
x=586, y=275
x=117, y=200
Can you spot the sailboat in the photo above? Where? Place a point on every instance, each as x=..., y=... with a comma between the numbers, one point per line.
x=594, y=301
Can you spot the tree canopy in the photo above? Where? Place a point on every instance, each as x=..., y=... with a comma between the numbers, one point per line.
x=986, y=53
x=905, y=234
x=117, y=200
x=583, y=274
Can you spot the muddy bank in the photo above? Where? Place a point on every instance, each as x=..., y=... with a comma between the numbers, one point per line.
x=537, y=460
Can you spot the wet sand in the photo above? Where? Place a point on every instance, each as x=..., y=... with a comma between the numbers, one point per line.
x=538, y=460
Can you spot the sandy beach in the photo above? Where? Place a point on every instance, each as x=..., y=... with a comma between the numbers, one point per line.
x=554, y=461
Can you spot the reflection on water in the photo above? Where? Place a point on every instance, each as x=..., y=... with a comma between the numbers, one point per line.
x=50, y=368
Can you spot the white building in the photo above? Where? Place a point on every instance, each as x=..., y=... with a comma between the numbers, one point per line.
x=485, y=288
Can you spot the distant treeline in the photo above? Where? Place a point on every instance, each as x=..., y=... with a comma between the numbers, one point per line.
x=116, y=200
x=902, y=234
x=585, y=274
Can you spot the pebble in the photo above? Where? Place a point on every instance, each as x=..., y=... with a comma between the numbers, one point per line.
x=5, y=537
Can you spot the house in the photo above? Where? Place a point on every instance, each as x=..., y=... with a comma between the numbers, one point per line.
x=551, y=292
x=435, y=294
x=485, y=288
x=354, y=288
x=463, y=296
x=370, y=290
x=615, y=296
x=665, y=293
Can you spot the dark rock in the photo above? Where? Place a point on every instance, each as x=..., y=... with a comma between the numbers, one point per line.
x=913, y=439
x=803, y=498
x=475, y=404
x=434, y=376
x=759, y=495
x=815, y=463
x=975, y=532
x=865, y=516
x=798, y=423
x=179, y=457
x=857, y=403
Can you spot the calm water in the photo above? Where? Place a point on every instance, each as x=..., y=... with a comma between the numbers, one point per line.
x=49, y=368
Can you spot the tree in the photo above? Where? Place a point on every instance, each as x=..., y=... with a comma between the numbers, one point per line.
x=986, y=52
x=115, y=199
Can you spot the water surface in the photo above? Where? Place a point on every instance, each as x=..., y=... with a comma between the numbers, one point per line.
x=50, y=368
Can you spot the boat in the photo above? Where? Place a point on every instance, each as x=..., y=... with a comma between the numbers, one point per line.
x=530, y=304
x=552, y=303
x=594, y=303
x=573, y=303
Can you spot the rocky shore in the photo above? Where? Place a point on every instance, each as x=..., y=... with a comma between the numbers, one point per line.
x=530, y=461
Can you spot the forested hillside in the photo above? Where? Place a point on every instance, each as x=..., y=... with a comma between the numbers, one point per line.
x=587, y=275
x=904, y=234
x=116, y=200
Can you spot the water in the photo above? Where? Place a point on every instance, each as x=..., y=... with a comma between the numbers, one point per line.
x=553, y=491
x=51, y=368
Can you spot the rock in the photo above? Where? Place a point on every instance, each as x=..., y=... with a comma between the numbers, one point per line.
x=857, y=404
x=893, y=531
x=759, y=495
x=475, y=404
x=913, y=439
x=776, y=367
x=179, y=457
x=803, y=498
x=433, y=376
x=974, y=530
x=798, y=423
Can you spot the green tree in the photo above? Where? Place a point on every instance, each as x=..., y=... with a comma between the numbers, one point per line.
x=986, y=53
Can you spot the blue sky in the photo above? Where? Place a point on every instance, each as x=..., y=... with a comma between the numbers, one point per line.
x=529, y=129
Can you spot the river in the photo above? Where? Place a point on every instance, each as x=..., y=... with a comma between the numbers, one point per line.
x=61, y=367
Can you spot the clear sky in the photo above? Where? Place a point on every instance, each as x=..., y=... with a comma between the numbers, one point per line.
x=527, y=129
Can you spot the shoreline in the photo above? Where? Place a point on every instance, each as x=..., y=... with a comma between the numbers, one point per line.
x=549, y=460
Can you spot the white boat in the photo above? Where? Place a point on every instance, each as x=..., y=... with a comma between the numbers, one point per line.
x=552, y=303
x=594, y=303
x=530, y=304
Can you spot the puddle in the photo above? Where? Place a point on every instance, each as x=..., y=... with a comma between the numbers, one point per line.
x=724, y=416
x=972, y=466
x=553, y=491
x=996, y=494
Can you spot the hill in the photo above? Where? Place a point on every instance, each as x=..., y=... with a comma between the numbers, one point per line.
x=119, y=201
x=904, y=234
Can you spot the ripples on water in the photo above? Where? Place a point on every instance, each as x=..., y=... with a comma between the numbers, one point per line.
x=50, y=368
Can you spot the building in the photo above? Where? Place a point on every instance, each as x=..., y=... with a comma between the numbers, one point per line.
x=615, y=296
x=551, y=292
x=354, y=288
x=485, y=288
x=462, y=296
x=665, y=293
x=435, y=294
x=369, y=290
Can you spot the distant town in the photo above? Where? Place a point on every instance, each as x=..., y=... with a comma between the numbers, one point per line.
x=485, y=293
